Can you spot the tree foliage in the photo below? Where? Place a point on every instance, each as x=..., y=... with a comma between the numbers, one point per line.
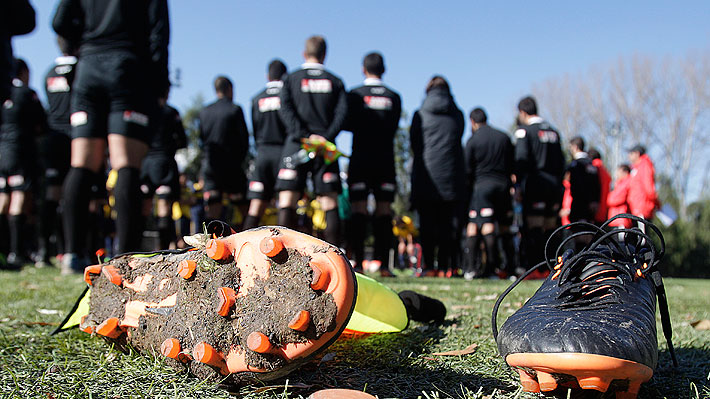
x=663, y=104
x=190, y=158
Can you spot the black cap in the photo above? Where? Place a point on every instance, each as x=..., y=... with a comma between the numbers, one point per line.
x=638, y=148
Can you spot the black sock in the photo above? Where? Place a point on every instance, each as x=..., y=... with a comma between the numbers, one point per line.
x=287, y=217
x=332, y=228
x=17, y=228
x=48, y=219
x=4, y=235
x=166, y=231
x=472, y=259
x=129, y=219
x=250, y=222
x=358, y=231
x=535, y=246
x=382, y=229
x=77, y=188
x=492, y=257
x=509, y=253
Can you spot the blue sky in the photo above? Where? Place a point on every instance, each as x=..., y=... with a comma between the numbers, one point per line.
x=491, y=52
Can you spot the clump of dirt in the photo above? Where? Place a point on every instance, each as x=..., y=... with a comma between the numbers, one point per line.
x=273, y=302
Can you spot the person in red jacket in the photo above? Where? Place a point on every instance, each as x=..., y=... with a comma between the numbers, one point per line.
x=616, y=200
x=642, y=197
x=604, y=183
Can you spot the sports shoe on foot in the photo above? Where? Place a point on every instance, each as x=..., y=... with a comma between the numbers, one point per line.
x=592, y=323
x=252, y=305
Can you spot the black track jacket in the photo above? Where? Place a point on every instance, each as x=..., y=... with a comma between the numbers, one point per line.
x=313, y=101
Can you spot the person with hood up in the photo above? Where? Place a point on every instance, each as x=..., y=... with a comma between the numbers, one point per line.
x=438, y=181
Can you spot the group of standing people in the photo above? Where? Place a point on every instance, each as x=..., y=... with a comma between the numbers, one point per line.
x=108, y=93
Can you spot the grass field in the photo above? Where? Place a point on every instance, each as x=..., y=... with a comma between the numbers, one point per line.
x=34, y=364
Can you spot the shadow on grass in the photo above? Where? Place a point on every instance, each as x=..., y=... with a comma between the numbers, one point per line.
x=671, y=382
x=395, y=366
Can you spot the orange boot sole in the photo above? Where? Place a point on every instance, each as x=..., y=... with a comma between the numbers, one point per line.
x=252, y=305
x=546, y=372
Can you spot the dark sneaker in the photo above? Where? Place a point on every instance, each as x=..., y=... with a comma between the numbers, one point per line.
x=592, y=323
x=252, y=305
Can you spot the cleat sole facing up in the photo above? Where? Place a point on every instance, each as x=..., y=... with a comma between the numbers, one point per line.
x=219, y=307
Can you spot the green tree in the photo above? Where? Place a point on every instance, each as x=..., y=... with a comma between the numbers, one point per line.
x=191, y=157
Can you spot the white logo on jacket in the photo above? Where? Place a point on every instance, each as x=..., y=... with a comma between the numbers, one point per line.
x=316, y=86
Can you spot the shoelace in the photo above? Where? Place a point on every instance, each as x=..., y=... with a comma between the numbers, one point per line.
x=591, y=278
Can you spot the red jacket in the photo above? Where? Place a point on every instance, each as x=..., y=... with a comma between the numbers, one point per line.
x=616, y=201
x=642, y=197
x=566, y=202
x=604, y=182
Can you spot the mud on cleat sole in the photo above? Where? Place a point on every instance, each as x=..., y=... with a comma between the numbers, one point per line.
x=250, y=306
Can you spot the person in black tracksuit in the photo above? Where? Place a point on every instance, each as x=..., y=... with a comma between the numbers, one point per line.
x=584, y=184
x=373, y=117
x=539, y=167
x=489, y=167
x=23, y=120
x=225, y=141
x=121, y=73
x=55, y=147
x=438, y=180
x=313, y=105
x=269, y=136
x=159, y=171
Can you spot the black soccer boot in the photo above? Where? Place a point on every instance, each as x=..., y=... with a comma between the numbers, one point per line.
x=592, y=323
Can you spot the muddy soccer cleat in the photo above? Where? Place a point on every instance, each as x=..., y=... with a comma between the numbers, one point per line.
x=248, y=306
x=592, y=323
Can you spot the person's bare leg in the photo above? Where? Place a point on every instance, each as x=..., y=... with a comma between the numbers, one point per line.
x=126, y=155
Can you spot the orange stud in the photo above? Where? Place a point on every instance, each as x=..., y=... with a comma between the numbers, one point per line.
x=217, y=250
x=109, y=328
x=227, y=298
x=112, y=274
x=595, y=383
x=205, y=353
x=320, y=279
x=258, y=342
x=300, y=321
x=170, y=348
x=271, y=246
x=529, y=384
x=547, y=381
x=186, y=268
x=89, y=270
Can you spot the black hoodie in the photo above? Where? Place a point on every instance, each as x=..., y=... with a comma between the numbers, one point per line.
x=438, y=162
